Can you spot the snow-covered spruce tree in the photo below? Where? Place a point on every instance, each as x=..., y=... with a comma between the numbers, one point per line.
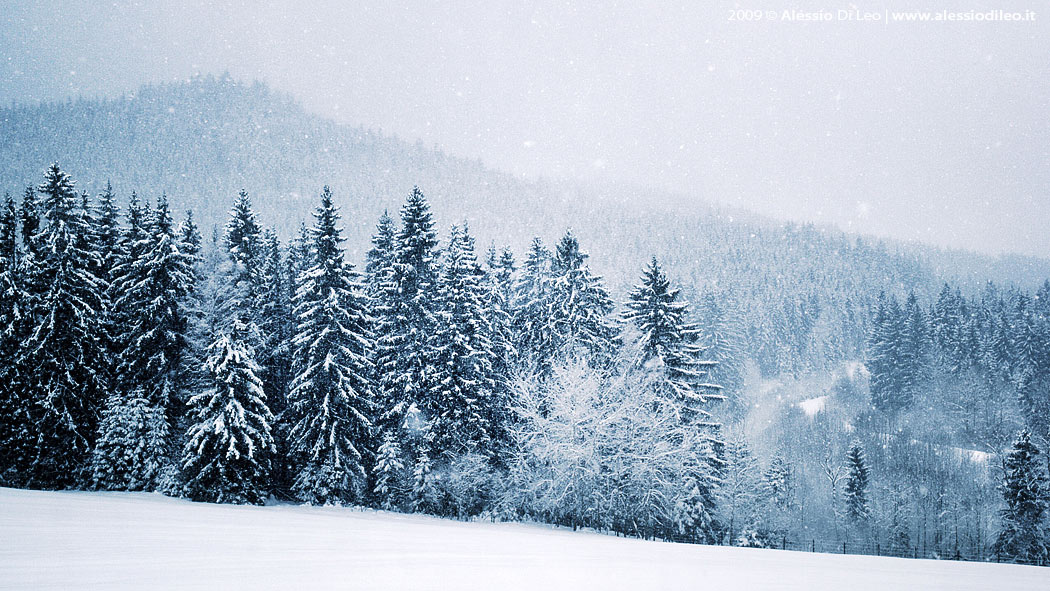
x=59, y=352
x=777, y=482
x=725, y=343
x=740, y=489
x=532, y=310
x=298, y=255
x=498, y=284
x=12, y=300
x=884, y=353
x=581, y=304
x=277, y=327
x=243, y=240
x=1023, y=536
x=110, y=254
x=424, y=493
x=462, y=376
x=913, y=361
x=666, y=343
x=669, y=340
x=133, y=447
x=331, y=397
x=30, y=215
x=390, y=476
x=406, y=319
x=190, y=236
x=229, y=446
x=150, y=292
x=855, y=492
x=276, y=324
x=777, y=496
x=380, y=259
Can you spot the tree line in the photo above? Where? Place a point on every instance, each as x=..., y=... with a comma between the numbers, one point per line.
x=138, y=355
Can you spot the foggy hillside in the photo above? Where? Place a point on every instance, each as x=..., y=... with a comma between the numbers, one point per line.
x=204, y=140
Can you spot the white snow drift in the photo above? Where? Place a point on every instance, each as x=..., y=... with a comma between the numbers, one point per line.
x=75, y=540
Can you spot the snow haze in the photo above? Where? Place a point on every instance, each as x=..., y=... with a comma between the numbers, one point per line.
x=920, y=131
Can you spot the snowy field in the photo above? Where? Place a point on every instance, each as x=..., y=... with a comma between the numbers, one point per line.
x=61, y=540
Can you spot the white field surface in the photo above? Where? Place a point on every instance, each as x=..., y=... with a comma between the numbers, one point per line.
x=76, y=540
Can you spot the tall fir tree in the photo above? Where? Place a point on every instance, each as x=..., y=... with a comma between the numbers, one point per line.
x=1023, y=536
x=60, y=352
x=390, y=477
x=407, y=317
x=12, y=300
x=190, y=236
x=582, y=306
x=332, y=397
x=151, y=293
x=30, y=214
x=668, y=339
x=668, y=344
x=276, y=325
x=532, y=305
x=884, y=354
x=380, y=258
x=229, y=445
x=461, y=410
x=858, y=509
x=243, y=240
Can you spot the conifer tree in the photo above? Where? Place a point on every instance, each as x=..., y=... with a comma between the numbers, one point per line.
x=533, y=304
x=132, y=452
x=1024, y=536
x=243, y=239
x=276, y=325
x=390, y=474
x=856, y=491
x=667, y=338
x=298, y=255
x=777, y=482
x=151, y=293
x=190, y=236
x=423, y=492
x=59, y=352
x=406, y=320
x=30, y=217
x=12, y=300
x=498, y=291
x=229, y=445
x=331, y=398
x=460, y=410
x=380, y=258
x=581, y=305
x=884, y=354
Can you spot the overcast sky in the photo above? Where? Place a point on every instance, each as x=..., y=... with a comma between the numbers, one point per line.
x=937, y=131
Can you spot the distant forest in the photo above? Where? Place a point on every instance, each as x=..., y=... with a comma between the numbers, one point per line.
x=828, y=410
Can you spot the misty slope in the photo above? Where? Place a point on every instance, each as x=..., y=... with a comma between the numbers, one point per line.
x=203, y=140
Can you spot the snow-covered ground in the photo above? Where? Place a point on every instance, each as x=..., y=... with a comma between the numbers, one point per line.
x=58, y=540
